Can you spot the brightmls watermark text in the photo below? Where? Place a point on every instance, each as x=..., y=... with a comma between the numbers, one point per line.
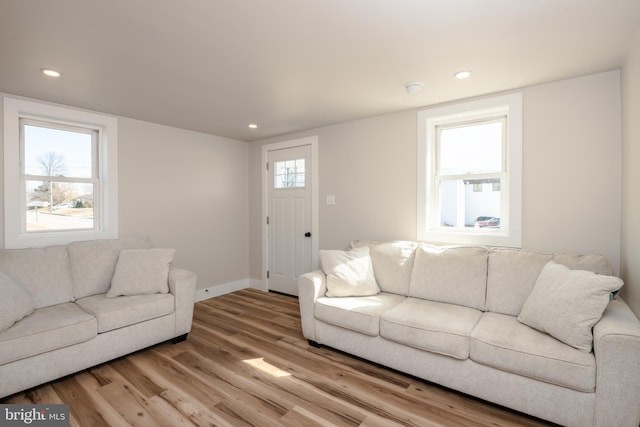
x=34, y=415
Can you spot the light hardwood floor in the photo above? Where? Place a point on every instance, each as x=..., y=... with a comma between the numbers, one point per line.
x=246, y=363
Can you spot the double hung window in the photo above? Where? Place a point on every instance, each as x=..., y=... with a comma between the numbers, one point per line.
x=60, y=174
x=469, y=172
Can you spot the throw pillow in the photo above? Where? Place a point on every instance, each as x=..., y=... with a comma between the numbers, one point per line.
x=15, y=302
x=141, y=271
x=566, y=303
x=349, y=273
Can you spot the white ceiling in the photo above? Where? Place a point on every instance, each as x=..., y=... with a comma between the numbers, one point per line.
x=217, y=65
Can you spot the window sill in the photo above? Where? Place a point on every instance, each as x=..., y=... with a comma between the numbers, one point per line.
x=464, y=237
x=28, y=240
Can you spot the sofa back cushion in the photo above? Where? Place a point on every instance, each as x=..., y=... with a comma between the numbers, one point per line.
x=93, y=263
x=594, y=263
x=454, y=275
x=512, y=274
x=15, y=302
x=392, y=264
x=43, y=272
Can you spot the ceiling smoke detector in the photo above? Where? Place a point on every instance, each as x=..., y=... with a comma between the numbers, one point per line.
x=414, y=87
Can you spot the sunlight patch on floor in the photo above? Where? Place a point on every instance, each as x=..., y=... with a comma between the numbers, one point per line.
x=266, y=367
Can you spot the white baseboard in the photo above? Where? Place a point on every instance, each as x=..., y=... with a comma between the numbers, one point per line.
x=225, y=288
x=258, y=284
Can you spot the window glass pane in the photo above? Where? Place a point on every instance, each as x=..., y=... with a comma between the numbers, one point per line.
x=474, y=148
x=449, y=203
x=56, y=152
x=289, y=174
x=59, y=206
x=461, y=206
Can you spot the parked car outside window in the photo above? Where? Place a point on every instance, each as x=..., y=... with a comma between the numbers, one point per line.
x=487, y=222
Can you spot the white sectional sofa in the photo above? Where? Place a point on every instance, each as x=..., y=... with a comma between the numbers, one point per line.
x=69, y=307
x=461, y=317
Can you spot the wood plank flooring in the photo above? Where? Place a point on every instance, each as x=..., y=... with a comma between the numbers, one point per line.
x=246, y=363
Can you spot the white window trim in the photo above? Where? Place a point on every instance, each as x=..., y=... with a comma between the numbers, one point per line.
x=510, y=233
x=14, y=110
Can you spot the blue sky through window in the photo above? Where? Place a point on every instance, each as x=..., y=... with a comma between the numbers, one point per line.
x=73, y=147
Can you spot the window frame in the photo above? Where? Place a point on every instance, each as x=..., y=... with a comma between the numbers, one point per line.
x=18, y=111
x=428, y=222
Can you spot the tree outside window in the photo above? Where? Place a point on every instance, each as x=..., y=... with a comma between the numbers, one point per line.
x=60, y=173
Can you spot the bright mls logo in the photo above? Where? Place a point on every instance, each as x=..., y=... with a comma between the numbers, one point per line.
x=34, y=415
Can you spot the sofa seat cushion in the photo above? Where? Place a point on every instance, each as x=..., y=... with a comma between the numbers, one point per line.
x=429, y=325
x=500, y=341
x=114, y=313
x=47, y=329
x=361, y=314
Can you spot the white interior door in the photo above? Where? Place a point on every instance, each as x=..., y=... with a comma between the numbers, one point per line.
x=289, y=199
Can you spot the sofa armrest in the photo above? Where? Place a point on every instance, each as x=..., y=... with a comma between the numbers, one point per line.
x=311, y=286
x=616, y=343
x=182, y=284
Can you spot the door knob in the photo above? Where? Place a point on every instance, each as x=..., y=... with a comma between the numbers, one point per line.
x=307, y=234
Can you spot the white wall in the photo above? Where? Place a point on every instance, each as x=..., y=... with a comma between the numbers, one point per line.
x=571, y=173
x=630, y=245
x=572, y=166
x=185, y=190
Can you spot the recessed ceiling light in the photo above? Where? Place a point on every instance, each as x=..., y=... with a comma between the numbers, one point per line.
x=253, y=126
x=461, y=75
x=50, y=73
x=414, y=87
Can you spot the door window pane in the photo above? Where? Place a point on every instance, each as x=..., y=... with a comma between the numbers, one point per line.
x=289, y=174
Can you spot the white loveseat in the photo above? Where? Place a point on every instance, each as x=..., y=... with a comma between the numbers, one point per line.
x=70, y=316
x=454, y=316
